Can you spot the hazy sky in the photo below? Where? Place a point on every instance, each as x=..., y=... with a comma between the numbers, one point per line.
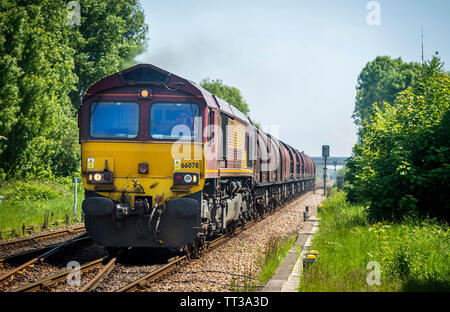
x=295, y=62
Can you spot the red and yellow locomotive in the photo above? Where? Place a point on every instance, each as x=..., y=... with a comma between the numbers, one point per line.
x=166, y=164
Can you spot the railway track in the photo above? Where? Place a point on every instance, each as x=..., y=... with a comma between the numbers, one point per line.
x=19, y=241
x=105, y=265
x=44, y=256
x=165, y=269
x=16, y=257
x=55, y=279
x=39, y=253
x=235, y=266
x=34, y=264
x=102, y=273
x=153, y=275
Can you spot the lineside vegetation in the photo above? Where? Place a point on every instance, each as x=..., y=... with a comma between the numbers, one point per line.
x=34, y=202
x=413, y=255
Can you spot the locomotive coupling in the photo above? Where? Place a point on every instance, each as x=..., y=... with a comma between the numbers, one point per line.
x=142, y=205
x=121, y=211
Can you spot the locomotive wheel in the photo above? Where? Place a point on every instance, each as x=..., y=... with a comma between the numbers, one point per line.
x=192, y=251
x=230, y=228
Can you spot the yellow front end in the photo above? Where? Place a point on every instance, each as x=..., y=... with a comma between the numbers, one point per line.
x=113, y=217
x=164, y=159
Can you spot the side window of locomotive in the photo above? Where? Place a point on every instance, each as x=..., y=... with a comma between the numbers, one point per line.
x=114, y=120
x=173, y=121
x=248, y=151
x=224, y=135
x=210, y=129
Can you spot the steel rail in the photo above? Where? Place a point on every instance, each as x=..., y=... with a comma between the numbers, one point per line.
x=43, y=256
x=29, y=253
x=42, y=236
x=107, y=268
x=152, y=275
x=35, y=286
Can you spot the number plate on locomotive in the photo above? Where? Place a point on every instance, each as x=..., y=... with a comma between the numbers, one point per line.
x=184, y=164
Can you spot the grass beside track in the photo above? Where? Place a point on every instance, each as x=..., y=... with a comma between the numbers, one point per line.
x=412, y=255
x=28, y=202
x=275, y=252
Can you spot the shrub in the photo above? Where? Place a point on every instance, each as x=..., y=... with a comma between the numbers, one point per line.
x=401, y=167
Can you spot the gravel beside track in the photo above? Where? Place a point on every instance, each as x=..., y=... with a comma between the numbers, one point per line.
x=238, y=257
x=123, y=275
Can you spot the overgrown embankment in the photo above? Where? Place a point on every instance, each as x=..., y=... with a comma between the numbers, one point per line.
x=37, y=202
x=410, y=256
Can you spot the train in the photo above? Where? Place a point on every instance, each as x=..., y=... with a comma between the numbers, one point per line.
x=167, y=164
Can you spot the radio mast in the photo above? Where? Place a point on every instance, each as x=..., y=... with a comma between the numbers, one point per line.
x=422, y=45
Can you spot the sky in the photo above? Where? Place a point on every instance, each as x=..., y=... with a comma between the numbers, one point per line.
x=296, y=63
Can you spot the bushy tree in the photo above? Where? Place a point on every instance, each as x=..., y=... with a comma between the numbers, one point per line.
x=46, y=66
x=111, y=34
x=380, y=81
x=401, y=167
x=36, y=74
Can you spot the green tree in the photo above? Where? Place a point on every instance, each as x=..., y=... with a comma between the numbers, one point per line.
x=36, y=74
x=46, y=66
x=111, y=34
x=380, y=81
x=402, y=165
x=229, y=94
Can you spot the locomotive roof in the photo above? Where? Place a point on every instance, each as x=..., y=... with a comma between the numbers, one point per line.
x=147, y=74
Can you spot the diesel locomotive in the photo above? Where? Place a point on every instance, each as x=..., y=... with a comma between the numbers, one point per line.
x=167, y=164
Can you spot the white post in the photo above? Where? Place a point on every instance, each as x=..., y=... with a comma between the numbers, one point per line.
x=75, y=180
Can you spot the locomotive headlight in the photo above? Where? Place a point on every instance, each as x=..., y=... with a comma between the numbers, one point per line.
x=100, y=177
x=97, y=177
x=145, y=93
x=187, y=178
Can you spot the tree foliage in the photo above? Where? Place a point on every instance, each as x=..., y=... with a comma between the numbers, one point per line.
x=45, y=66
x=229, y=94
x=380, y=81
x=401, y=167
x=36, y=71
x=111, y=34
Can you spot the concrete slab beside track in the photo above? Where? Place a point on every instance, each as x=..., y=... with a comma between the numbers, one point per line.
x=287, y=275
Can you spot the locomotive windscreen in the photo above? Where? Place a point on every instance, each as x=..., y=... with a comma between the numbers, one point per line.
x=171, y=121
x=114, y=120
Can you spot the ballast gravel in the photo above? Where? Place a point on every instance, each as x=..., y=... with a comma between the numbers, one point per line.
x=236, y=263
